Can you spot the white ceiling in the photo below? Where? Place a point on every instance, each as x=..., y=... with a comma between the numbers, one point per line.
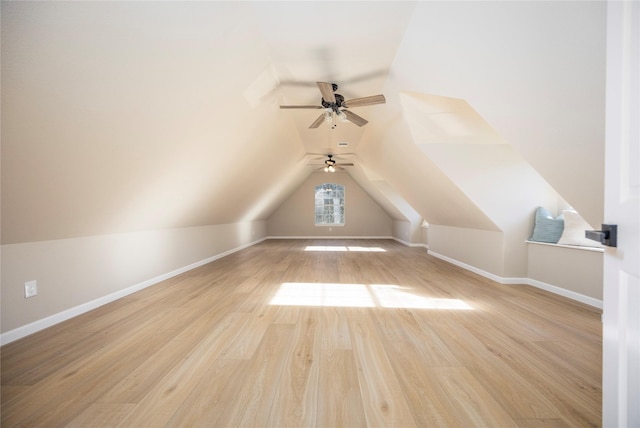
x=122, y=116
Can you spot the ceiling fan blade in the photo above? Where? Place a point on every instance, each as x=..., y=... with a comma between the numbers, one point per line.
x=313, y=107
x=317, y=122
x=355, y=119
x=326, y=89
x=365, y=101
x=328, y=152
x=344, y=164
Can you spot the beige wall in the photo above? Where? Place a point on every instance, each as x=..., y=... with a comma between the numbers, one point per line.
x=576, y=270
x=573, y=272
x=480, y=249
x=402, y=231
x=410, y=232
x=72, y=273
x=363, y=216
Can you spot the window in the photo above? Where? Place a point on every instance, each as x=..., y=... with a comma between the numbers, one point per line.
x=329, y=204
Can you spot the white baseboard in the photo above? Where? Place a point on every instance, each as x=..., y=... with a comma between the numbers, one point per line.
x=480, y=272
x=566, y=293
x=49, y=321
x=524, y=281
x=330, y=237
x=410, y=244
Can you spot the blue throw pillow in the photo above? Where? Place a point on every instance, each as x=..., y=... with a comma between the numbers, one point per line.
x=546, y=228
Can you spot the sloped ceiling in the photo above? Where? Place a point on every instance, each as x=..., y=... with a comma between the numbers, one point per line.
x=534, y=71
x=125, y=116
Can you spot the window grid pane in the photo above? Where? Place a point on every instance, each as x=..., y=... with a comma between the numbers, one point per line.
x=329, y=205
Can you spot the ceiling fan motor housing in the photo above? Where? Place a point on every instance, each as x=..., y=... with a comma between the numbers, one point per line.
x=334, y=106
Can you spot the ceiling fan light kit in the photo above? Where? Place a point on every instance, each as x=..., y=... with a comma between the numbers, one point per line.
x=335, y=106
x=330, y=164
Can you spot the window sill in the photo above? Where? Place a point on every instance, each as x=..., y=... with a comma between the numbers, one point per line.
x=573, y=247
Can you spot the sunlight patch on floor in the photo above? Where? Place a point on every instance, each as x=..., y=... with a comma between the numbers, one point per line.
x=345, y=248
x=358, y=296
x=367, y=249
x=320, y=294
x=393, y=296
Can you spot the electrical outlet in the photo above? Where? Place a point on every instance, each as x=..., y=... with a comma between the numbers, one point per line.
x=30, y=289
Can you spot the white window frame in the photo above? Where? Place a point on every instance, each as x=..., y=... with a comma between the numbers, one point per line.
x=326, y=211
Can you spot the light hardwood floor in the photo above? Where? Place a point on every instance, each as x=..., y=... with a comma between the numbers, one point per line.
x=276, y=336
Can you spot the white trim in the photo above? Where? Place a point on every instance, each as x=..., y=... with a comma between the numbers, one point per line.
x=480, y=272
x=330, y=237
x=566, y=293
x=410, y=244
x=525, y=281
x=49, y=321
x=573, y=247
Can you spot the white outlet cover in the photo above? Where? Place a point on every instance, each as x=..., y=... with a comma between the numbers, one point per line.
x=30, y=289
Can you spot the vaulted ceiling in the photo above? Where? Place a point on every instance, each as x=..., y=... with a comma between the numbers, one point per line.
x=126, y=116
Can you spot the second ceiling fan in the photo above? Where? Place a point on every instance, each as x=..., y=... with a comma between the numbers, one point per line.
x=331, y=165
x=335, y=105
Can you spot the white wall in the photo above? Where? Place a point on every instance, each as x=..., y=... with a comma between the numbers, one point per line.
x=73, y=273
x=363, y=216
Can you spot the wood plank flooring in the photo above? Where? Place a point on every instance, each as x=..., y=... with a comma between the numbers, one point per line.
x=352, y=333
